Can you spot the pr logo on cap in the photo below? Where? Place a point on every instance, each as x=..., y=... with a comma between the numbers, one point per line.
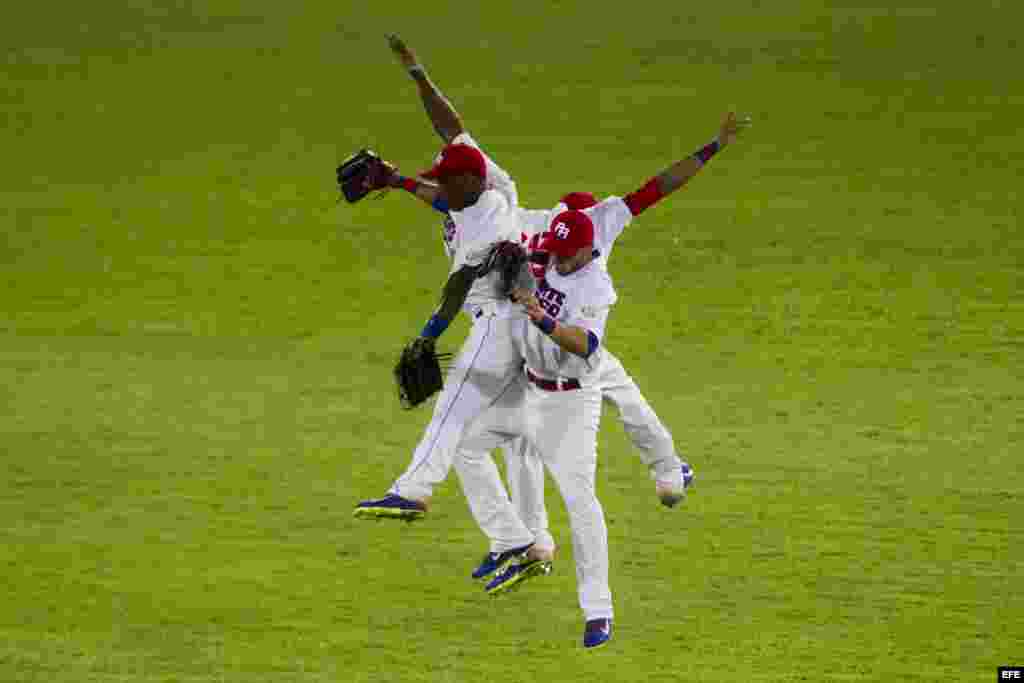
x=570, y=232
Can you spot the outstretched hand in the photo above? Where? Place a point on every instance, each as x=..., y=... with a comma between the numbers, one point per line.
x=732, y=127
x=406, y=56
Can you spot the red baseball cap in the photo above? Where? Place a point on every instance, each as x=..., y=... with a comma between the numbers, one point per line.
x=579, y=200
x=456, y=159
x=570, y=231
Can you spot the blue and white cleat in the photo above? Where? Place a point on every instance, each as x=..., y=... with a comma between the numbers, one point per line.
x=497, y=562
x=672, y=491
x=688, y=475
x=597, y=632
x=516, y=572
x=487, y=566
x=390, y=507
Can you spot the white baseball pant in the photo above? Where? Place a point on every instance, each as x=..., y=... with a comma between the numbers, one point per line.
x=562, y=426
x=485, y=366
x=525, y=471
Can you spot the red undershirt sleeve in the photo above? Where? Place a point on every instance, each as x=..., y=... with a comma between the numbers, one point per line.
x=646, y=196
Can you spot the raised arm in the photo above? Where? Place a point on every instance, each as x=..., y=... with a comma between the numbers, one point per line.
x=442, y=114
x=680, y=173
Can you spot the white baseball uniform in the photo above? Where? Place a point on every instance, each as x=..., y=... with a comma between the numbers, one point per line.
x=525, y=471
x=485, y=356
x=560, y=424
x=487, y=363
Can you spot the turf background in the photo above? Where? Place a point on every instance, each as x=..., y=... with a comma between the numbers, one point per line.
x=195, y=341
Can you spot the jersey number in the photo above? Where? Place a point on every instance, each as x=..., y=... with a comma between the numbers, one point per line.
x=551, y=300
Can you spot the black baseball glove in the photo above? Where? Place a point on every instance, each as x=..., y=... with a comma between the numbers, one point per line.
x=509, y=260
x=418, y=372
x=362, y=173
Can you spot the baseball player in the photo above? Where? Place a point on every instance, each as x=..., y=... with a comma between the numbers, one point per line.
x=481, y=204
x=568, y=311
x=524, y=471
x=556, y=406
x=649, y=435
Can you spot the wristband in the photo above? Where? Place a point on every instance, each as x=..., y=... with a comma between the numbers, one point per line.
x=704, y=154
x=440, y=204
x=416, y=69
x=546, y=324
x=407, y=184
x=435, y=327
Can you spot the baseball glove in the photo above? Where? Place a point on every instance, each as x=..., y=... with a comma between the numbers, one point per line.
x=362, y=173
x=508, y=260
x=418, y=372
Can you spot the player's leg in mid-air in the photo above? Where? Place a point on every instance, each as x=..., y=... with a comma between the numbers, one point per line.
x=523, y=469
x=563, y=426
x=485, y=365
x=511, y=540
x=649, y=435
x=524, y=472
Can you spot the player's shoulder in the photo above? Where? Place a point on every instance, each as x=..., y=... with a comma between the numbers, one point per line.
x=610, y=204
x=464, y=138
x=489, y=203
x=490, y=219
x=596, y=285
x=610, y=200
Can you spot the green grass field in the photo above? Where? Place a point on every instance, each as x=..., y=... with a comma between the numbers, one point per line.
x=196, y=342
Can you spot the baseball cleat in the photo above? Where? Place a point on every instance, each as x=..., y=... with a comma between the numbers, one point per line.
x=487, y=566
x=516, y=573
x=390, y=507
x=497, y=562
x=688, y=475
x=671, y=493
x=597, y=632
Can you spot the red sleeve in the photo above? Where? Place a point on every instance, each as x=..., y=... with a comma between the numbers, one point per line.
x=644, y=197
